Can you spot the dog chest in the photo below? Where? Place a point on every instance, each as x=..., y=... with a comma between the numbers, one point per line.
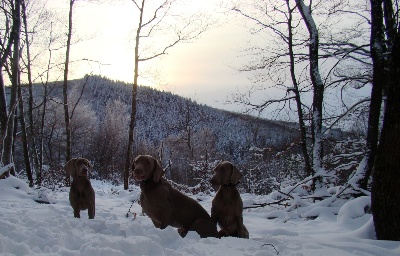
x=156, y=205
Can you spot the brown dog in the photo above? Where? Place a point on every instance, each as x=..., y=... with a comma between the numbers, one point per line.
x=166, y=205
x=227, y=205
x=81, y=194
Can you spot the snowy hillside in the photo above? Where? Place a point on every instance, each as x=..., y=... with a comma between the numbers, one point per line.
x=167, y=126
x=325, y=228
x=161, y=114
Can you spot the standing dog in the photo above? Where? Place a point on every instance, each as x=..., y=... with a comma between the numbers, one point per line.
x=167, y=206
x=81, y=194
x=227, y=205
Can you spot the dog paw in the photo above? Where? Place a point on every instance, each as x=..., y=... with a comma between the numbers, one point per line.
x=182, y=231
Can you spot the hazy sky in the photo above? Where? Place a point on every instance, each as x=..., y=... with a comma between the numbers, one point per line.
x=202, y=70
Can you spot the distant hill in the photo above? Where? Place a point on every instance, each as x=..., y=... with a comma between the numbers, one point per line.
x=161, y=114
x=191, y=136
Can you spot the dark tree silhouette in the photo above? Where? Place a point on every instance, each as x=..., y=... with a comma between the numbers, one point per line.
x=385, y=195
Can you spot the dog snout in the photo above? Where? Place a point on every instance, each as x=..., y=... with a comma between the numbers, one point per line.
x=82, y=172
x=138, y=173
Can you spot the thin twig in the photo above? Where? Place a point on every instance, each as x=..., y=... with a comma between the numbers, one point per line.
x=265, y=204
x=277, y=253
x=80, y=96
x=286, y=194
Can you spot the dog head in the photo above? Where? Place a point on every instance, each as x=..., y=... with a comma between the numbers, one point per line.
x=78, y=167
x=146, y=167
x=225, y=173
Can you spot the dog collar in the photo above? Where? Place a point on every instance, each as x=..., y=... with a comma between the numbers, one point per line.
x=230, y=185
x=145, y=181
x=148, y=181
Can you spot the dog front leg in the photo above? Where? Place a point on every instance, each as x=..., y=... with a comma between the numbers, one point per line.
x=205, y=228
x=156, y=223
x=77, y=213
x=182, y=231
x=242, y=230
x=91, y=211
x=159, y=220
x=165, y=217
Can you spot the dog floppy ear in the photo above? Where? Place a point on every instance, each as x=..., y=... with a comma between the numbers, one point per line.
x=69, y=168
x=236, y=175
x=158, y=172
x=89, y=165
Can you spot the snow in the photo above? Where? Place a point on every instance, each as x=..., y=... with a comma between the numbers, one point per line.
x=329, y=227
x=4, y=169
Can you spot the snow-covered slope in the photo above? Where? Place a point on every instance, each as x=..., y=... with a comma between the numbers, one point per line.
x=31, y=228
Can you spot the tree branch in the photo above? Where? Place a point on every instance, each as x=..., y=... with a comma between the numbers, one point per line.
x=134, y=1
x=346, y=113
x=80, y=96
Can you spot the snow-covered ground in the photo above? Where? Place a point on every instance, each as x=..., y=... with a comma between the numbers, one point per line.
x=31, y=228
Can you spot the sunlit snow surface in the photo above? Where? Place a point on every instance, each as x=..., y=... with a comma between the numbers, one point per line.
x=31, y=228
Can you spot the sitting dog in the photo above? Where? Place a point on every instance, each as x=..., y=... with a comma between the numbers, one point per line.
x=167, y=206
x=227, y=205
x=81, y=194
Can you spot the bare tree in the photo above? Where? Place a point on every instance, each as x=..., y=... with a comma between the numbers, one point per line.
x=45, y=82
x=6, y=42
x=379, y=77
x=7, y=156
x=385, y=189
x=25, y=146
x=150, y=22
x=286, y=34
x=65, y=88
x=386, y=182
x=296, y=90
x=31, y=30
x=286, y=52
x=30, y=84
x=382, y=43
x=318, y=87
x=26, y=44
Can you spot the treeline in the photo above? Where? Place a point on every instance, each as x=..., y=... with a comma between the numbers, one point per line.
x=189, y=136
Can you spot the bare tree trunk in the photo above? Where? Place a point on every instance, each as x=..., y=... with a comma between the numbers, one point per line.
x=151, y=24
x=15, y=132
x=28, y=167
x=386, y=183
x=41, y=138
x=378, y=83
x=65, y=91
x=31, y=130
x=9, y=137
x=3, y=105
x=318, y=86
x=40, y=153
x=134, y=101
x=24, y=137
x=188, y=131
x=5, y=53
x=303, y=133
x=390, y=21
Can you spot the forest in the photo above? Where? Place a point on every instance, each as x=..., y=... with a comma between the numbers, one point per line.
x=47, y=118
x=191, y=136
